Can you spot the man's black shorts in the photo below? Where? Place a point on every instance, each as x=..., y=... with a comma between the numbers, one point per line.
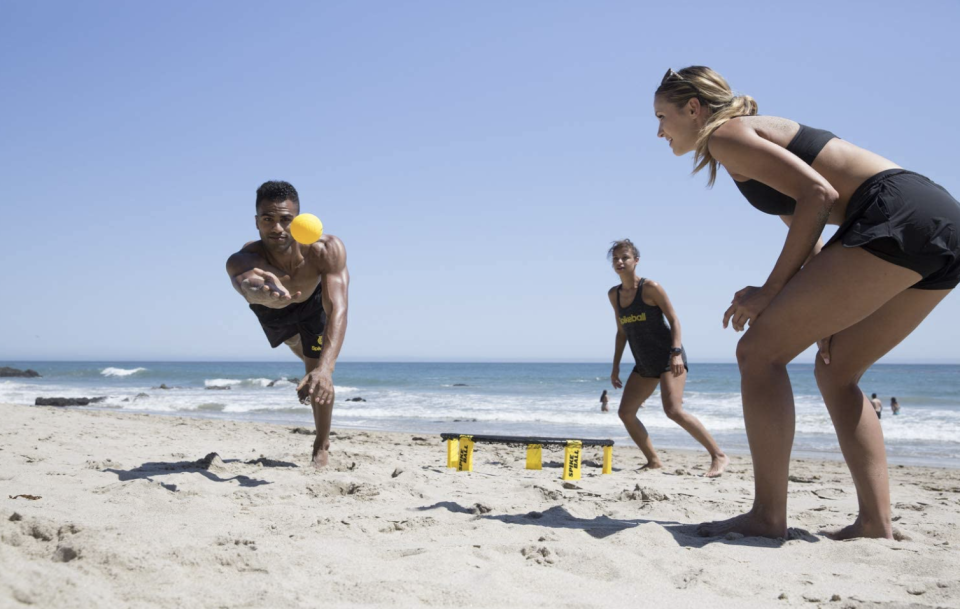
x=307, y=318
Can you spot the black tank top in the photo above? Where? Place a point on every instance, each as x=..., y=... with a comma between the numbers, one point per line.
x=806, y=144
x=646, y=329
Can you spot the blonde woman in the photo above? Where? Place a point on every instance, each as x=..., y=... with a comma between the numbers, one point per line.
x=899, y=241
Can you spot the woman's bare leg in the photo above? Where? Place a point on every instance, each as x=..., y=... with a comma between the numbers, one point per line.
x=827, y=296
x=671, y=392
x=636, y=391
x=852, y=352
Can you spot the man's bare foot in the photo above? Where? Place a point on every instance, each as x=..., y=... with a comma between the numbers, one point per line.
x=320, y=455
x=652, y=465
x=858, y=529
x=320, y=459
x=748, y=525
x=718, y=463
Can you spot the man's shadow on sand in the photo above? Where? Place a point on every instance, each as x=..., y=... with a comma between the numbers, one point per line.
x=152, y=469
x=600, y=527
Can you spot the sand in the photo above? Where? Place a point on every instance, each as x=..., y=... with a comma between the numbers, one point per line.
x=137, y=511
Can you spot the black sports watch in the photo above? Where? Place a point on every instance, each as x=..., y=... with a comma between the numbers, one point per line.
x=676, y=351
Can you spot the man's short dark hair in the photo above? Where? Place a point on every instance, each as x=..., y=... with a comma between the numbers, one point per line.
x=276, y=191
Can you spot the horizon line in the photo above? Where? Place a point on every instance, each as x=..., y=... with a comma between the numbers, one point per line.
x=425, y=361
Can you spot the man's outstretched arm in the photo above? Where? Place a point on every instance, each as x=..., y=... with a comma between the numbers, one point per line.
x=257, y=281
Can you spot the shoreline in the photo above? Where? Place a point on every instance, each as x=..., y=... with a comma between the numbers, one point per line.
x=622, y=440
x=134, y=510
x=553, y=400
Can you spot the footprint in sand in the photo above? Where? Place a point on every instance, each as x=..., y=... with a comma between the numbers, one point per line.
x=832, y=494
x=643, y=493
x=549, y=494
x=345, y=489
x=407, y=525
x=44, y=532
x=101, y=465
x=40, y=531
x=540, y=555
x=241, y=543
x=65, y=554
x=689, y=578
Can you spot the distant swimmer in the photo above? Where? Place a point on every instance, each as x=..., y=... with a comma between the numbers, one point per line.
x=898, y=241
x=604, y=402
x=641, y=308
x=877, y=405
x=894, y=406
x=299, y=294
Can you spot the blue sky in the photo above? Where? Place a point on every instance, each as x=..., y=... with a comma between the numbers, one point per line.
x=476, y=159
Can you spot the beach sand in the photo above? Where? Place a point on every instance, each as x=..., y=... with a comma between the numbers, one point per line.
x=132, y=513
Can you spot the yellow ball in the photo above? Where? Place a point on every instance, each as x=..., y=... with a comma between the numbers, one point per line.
x=306, y=229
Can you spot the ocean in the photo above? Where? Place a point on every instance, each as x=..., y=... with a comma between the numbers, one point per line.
x=557, y=400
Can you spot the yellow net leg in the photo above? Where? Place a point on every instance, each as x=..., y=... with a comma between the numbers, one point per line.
x=534, y=456
x=608, y=459
x=465, y=455
x=571, y=460
x=453, y=452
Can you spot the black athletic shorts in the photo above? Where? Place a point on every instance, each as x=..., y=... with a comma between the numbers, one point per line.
x=307, y=318
x=908, y=220
x=655, y=363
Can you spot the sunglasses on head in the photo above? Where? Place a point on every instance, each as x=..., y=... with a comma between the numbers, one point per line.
x=671, y=75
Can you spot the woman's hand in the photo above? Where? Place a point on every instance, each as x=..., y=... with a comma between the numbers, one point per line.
x=676, y=364
x=824, y=346
x=615, y=378
x=747, y=305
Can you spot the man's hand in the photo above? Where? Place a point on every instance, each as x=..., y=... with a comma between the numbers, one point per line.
x=615, y=378
x=316, y=388
x=265, y=288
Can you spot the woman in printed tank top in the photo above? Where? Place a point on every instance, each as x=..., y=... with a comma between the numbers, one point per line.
x=642, y=311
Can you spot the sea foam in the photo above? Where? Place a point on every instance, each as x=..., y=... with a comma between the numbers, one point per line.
x=121, y=371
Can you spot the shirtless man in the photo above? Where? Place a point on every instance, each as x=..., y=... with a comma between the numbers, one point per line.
x=299, y=294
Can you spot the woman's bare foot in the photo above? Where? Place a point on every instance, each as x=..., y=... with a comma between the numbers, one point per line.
x=652, y=465
x=718, y=463
x=859, y=529
x=748, y=525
